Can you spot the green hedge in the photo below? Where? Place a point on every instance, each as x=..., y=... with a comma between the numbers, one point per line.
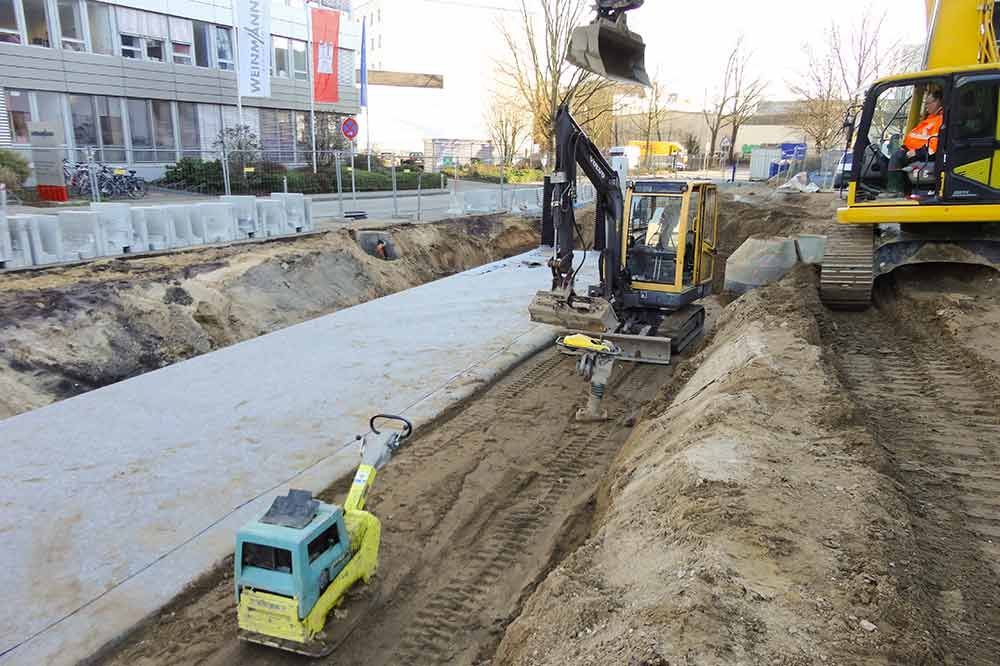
x=14, y=169
x=491, y=174
x=206, y=176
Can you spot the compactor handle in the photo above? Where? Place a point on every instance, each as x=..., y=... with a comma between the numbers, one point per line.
x=408, y=429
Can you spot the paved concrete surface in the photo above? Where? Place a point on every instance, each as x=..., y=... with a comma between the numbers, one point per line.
x=114, y=500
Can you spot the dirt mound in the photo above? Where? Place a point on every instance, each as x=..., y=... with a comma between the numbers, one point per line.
x=757, y=211
x=69, y=330
x=744, y=521
x=960, y=301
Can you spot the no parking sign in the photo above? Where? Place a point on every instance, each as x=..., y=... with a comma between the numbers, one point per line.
x=349, y=128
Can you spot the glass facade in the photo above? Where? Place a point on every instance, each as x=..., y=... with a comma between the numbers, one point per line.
x=123, y=130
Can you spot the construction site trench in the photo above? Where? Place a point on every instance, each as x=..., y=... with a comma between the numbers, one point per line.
x=802, y=487
x=66, y=331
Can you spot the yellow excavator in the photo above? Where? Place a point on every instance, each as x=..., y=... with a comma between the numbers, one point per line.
x=943, y=204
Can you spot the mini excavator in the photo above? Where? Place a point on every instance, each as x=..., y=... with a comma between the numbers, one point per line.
x=946, y=209
x=302, y=559
x=656, y=238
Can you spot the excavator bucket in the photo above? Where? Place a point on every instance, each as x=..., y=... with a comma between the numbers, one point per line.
x=608, y=48
x=584, y=313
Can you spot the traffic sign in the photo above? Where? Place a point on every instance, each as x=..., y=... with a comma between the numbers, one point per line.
x=349, y=128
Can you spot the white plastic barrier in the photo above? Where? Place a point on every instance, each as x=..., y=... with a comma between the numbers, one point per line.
x=159, y=227
x=81, y=233
x=527, y=201
x=6, y=244
x=271, y=213
x=481, y=201
x=19, y=227
x=217, y=221
x=45, y=239
x=245, y=209
x=140, y=234
x=117, y=233
x=179, y=215
x=310, y=224
x=295, y=210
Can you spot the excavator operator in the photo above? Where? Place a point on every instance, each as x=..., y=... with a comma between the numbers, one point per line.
x=920, y=144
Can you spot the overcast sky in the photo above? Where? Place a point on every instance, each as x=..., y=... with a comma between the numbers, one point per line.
x=687, y=44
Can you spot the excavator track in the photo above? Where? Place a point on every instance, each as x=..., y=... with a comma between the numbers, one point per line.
x=848, y=271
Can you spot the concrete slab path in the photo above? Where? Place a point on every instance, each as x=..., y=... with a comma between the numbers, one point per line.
x=113, y=501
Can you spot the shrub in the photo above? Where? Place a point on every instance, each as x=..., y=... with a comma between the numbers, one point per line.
x=193, y=173
x=14, y=169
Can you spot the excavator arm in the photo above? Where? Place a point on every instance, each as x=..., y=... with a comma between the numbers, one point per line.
x=574, y=148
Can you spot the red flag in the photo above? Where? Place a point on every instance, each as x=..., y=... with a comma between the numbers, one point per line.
x=326, y=39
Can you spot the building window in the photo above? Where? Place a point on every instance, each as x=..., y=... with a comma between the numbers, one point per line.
x=143, y=34
x=19, y=110
x=202, y=44
x=71, y=24
x=181, y=40
x=101, y=28
x=49, y=107
x=154, y=49
x=187, y=118
x=300, y=64
x=81, y=109
x=109, y=117
x=303, y=137
x=279, y=57
x=163, y=130
x=224, y=47
x=182, y=53
x=277, y=135
x=9, y=31
x=131, y=47
x=36, y=22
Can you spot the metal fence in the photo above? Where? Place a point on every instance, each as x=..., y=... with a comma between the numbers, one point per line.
x=401, y=181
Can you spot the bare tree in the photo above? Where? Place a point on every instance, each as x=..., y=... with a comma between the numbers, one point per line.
x=508, y=123
x=537, y=66
x=839, y=75
x=715, y=111
x=820, y=113
x=747, y=91
x=654, y=112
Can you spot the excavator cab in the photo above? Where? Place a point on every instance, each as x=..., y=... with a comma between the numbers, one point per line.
x=943, y=209
x=668, y=243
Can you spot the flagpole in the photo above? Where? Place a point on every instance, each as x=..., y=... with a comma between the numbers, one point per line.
x=236, y=58
x=363, y=93
x=312, y=84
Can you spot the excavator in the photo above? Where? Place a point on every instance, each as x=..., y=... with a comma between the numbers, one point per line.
x=946, y=206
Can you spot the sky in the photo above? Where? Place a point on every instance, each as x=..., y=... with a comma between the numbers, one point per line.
x=687, y=42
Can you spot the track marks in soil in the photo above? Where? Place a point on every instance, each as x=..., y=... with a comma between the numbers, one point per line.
x=938, y=419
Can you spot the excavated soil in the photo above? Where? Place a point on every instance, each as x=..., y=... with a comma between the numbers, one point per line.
x=474, y=512
x=809, y=487
x=64, y=331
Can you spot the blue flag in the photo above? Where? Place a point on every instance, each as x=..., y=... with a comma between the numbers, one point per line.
x=364, y=65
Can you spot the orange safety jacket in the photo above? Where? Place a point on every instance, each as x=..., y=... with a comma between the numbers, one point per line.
x=925, y=134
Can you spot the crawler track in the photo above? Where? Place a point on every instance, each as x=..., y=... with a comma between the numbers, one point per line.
x=847, y=276
x=938, y=420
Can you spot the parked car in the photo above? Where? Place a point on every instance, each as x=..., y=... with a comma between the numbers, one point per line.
x=843, y=173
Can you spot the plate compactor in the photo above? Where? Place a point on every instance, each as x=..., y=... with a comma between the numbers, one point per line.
x=301, y=559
